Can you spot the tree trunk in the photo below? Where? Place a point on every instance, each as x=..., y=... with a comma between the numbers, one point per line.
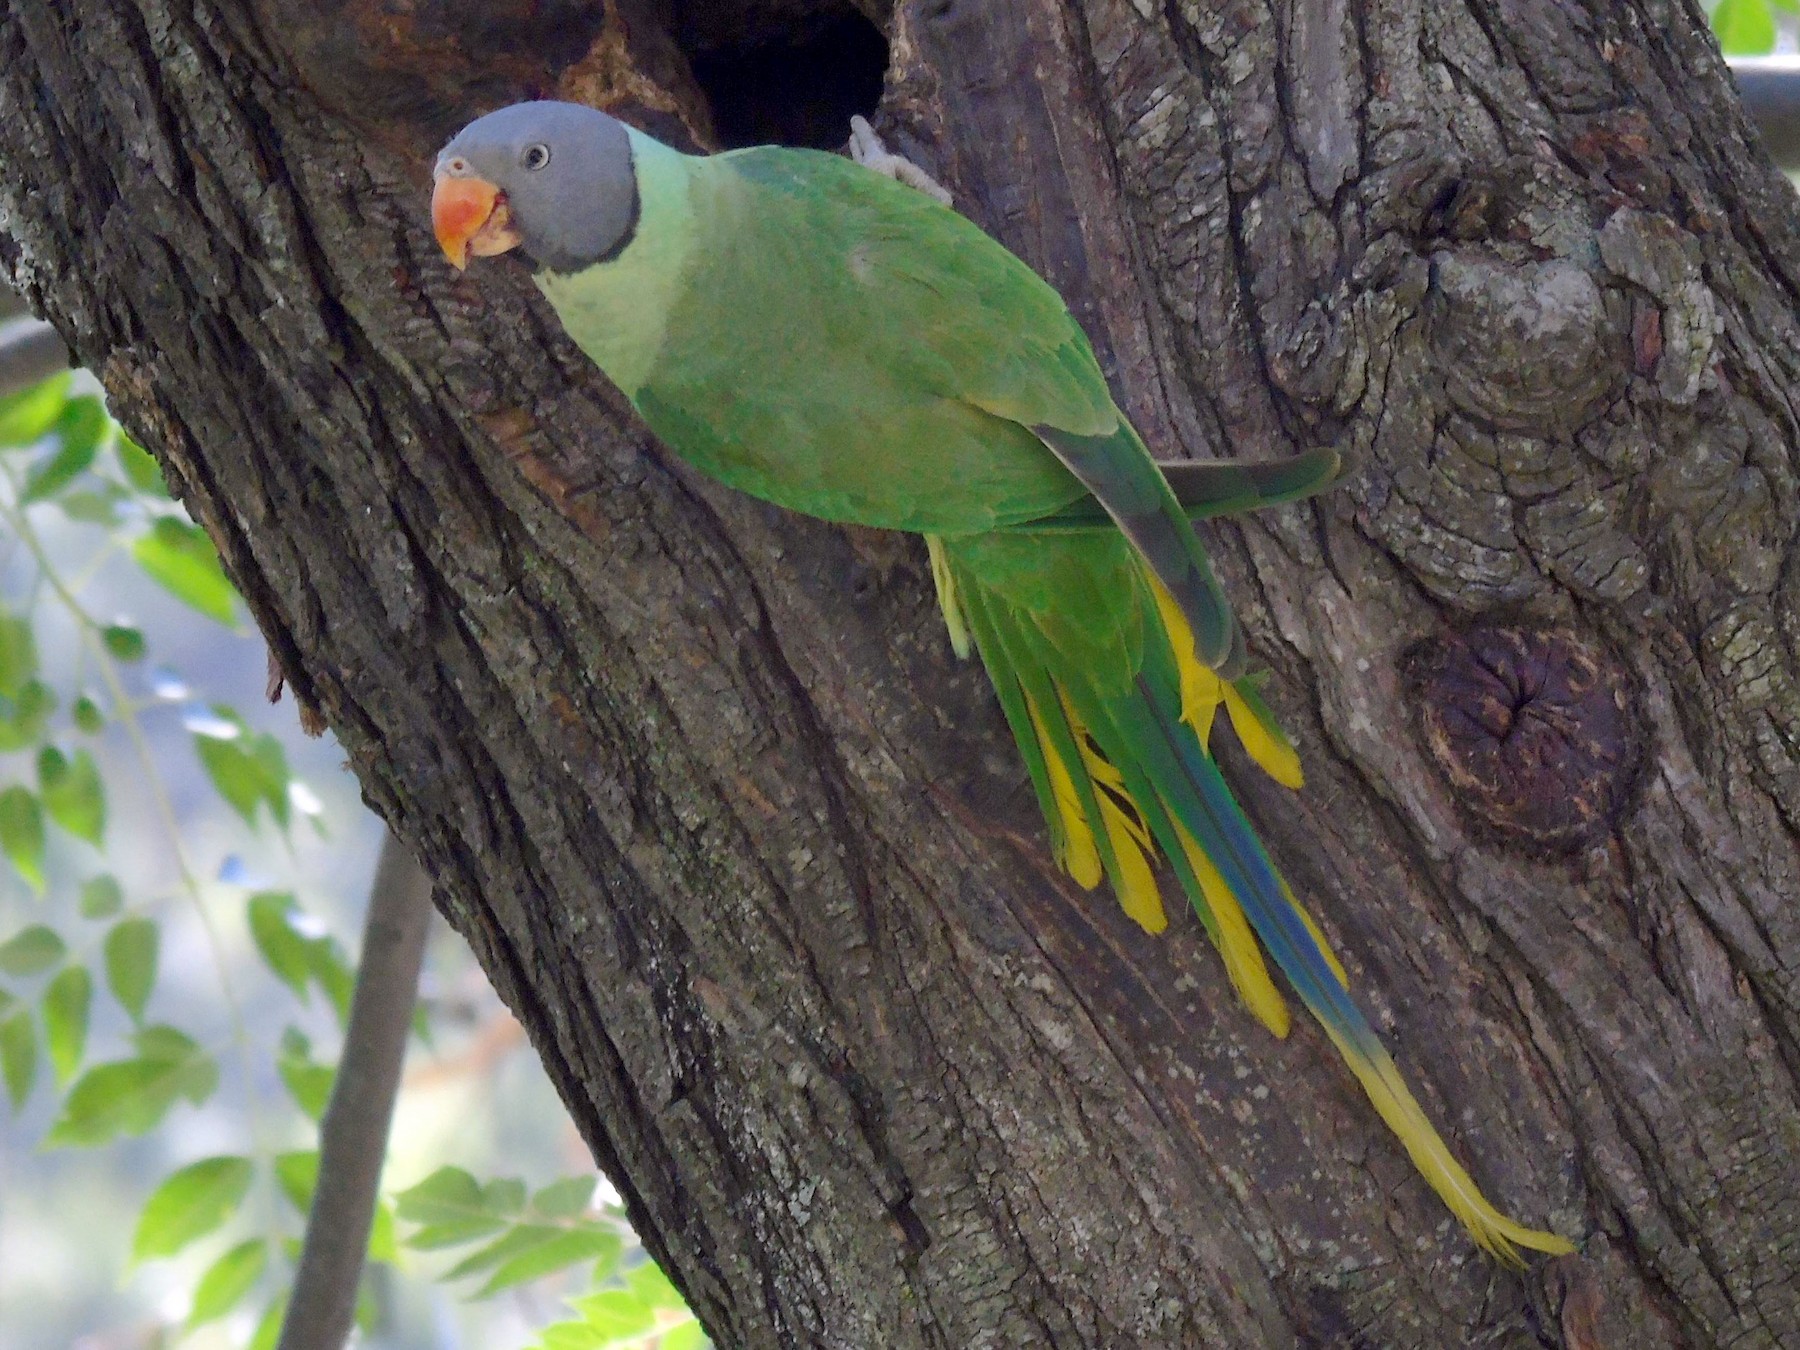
x=751, y=854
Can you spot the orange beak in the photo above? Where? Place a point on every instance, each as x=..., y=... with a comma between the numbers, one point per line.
x=469, y=216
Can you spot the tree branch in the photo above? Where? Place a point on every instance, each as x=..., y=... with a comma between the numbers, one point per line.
x=353, y=1135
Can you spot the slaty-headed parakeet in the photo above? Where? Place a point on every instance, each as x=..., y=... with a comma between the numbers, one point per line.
x=819, y=335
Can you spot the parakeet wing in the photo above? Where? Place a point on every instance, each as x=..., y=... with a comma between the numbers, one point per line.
x=1220, y=487
x=962, y=319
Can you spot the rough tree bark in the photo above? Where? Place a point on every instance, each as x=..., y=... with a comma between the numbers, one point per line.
x=749, y=852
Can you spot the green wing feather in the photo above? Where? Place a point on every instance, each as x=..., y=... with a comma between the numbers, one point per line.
x=1207, y=488
x=1118, y=471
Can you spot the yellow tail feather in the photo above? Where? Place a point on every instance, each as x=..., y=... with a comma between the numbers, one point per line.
x=1238, y=946
x=1202, y=691
x=948, y=600
x=1393, y=1100
x=1139, y=894
x=1131, y=841
x=1273, y=754
x=1077, y=850
x=1125, y=828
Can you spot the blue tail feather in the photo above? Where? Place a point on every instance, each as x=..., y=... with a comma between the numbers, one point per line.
x=1212, y=815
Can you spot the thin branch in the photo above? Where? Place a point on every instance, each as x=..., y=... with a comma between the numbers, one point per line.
x=353, y=1135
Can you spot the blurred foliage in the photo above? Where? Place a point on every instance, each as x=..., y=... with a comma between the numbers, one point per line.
x=89, y=940
x=1752, y=27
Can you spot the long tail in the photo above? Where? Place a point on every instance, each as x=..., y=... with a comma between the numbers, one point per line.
x=1119, y=761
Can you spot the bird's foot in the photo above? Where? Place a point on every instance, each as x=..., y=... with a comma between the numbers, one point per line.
x=870, y=151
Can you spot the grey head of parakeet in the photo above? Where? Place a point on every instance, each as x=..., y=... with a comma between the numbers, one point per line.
x=553, y=178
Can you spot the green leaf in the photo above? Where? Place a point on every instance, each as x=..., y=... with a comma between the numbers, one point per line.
x=298, y=1173
x=190, y=1204
x=80, y=427
x=131, y=953
x=22, y=834
x=101, y=897
x=18, y=1056
x=446, y=1194
x=517, y=1240
x=27, y=416
x=271, y=763
x=383, y=1244
x=532, y=1251
x=601, y=1244
x=87, y=715
x=227, y=1281
x=130, y=1096
x=123, y=641
x=572, y=1336
x=166, y=1042
x=565, y=1199
x=22, y=719
x=682, y=1336
x=366, y=1307
x=246, y=770
x=1745, y=27
x=233, y=775
x=451, y=1209
x=18, y=654
x=83, y=422
x=140, y=467
x=268, y=1331
x=504, y=1195
x=31, y=951
x=650, y=1284
x=98, y=505
x=180, y=558
x=50, y=476
x=307, y=1081
x=326, y=960
x=616, y=1313
x=73, y=793
x=65, y=1009
x=297, y=959
x=282, y=948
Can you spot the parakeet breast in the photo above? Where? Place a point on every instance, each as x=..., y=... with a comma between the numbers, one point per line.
x=617, y=311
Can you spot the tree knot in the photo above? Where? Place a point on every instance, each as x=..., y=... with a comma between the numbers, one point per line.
x=1531, y=727
x=1523, y=346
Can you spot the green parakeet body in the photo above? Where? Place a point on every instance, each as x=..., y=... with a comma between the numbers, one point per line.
x=814, y=333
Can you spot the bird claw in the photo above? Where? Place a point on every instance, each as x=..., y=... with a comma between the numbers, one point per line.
x=870, y=151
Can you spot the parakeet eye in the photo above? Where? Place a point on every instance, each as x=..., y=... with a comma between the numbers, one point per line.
x=535, y=156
